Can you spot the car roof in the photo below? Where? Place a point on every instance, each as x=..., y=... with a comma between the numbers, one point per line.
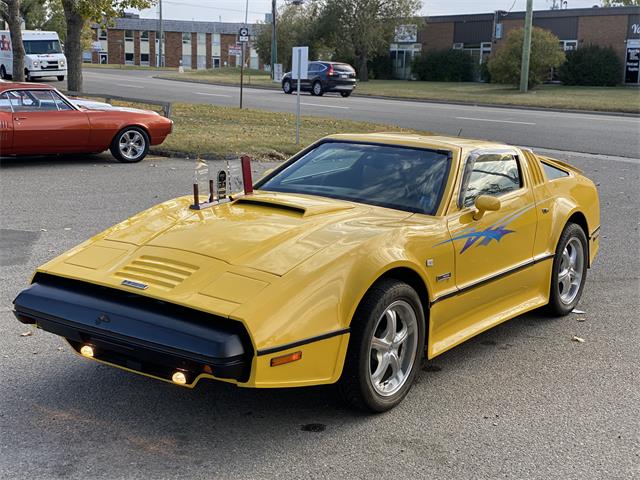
x=4, y=86
x=436, y=142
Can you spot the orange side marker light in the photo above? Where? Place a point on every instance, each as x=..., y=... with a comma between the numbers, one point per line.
x=288, y=358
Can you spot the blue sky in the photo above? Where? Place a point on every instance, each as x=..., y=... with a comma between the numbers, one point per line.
x=233, y=10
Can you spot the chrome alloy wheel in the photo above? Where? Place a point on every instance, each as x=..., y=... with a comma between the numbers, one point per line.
x=317, y=88
x=131, y=144
x=393, y=346
x=570, y=271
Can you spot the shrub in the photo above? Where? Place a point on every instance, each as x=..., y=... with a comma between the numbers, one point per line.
x=591, y=65
x=444, y=66
x=380, y=67
x=546, y=53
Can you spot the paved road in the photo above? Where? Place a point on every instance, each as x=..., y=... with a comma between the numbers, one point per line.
x=576, y=132
x=520, y=401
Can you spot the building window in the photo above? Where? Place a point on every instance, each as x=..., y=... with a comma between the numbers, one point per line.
x=144, y=59
x=186, y=38
x=144, y=36
x=102, y=34
x=128, y=58
x=128, y=35
x=568, y=45
x=186, y=50
x=215, y=45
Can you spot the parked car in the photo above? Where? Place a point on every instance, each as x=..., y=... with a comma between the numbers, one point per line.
x=43, y=55
x=348, y=263
x=324, y=77
x=36, y=119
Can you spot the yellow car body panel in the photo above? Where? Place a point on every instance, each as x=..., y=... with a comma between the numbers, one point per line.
x=294, y=276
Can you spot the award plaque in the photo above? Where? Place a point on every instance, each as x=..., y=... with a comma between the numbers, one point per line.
x=222, y=182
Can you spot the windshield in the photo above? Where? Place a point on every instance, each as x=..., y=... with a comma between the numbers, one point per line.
x=409, y=179
x=41, y=47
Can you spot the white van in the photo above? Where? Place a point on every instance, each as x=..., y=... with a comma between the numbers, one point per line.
x=43, y=55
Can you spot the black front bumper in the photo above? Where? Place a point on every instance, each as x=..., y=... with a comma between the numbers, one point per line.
x=137, y=332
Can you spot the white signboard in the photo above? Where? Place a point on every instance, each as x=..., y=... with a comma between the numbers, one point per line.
x=406, y=34
x=300, y=63
x=277, y=72
x=96, y=46
x=235, y=50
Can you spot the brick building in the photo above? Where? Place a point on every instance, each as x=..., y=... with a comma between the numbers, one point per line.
x=135, y=41
x=481, y=34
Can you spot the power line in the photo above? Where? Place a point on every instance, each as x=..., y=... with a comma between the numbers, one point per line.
x=210, y=7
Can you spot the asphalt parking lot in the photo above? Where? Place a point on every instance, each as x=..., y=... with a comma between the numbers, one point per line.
x=520, y=401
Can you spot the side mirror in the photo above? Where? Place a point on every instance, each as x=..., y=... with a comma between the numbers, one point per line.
x=485, y=203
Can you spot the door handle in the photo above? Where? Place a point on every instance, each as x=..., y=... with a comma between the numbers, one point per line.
x=19, y=118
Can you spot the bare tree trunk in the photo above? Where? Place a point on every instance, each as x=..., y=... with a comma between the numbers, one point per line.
x=363, y=68
x=15, y=26
x=73, y=45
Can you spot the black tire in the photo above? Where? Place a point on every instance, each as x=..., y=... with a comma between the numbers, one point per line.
x=61, y=78
x=560, y=302
x=356, y=385
x=3, y=73
x=130, y=132
x=27, y=75
x=286, y=86
x=316, y=89
x=346, y=94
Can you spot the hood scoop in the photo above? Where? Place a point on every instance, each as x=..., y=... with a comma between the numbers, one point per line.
x=305, y=207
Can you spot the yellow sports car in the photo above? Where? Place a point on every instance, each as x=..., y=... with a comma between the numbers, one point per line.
x=347, y=264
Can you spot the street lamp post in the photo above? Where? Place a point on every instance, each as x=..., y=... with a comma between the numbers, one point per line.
x=274, y=40
x=526, y=48
x=160, y=53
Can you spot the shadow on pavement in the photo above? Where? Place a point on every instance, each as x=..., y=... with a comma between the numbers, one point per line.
x=53, y=160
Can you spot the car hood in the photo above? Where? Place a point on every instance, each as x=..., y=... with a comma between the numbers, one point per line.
x=93, y=105
x=270, y=232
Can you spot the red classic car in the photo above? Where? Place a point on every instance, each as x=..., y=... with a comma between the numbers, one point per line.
x=36, y=119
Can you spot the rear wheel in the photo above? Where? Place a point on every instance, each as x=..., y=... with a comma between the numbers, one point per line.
x=61, y=78
x=345, y=94
x=316, y=89
x=286, y=86
x=385, y=347
x=569, y=270
x=130, y=145
x=27, y=75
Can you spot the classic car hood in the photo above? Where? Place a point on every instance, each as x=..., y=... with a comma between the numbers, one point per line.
x=265, y=231
x=94, y=105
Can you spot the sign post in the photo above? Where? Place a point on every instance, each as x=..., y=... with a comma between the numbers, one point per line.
x=243, y=36
x=299, y=68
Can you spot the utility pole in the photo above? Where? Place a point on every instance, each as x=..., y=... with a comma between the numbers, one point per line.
x=160, y=53
x=274, y=40
x=526, y=48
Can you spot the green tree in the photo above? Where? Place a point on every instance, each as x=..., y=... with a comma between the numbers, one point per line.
x=79, y=13
x=546, y=53
x=10, y=12
x=620, y=3
x=364, y=27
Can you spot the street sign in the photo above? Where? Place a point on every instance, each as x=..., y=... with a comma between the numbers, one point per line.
x=235, y=50
x=243, y=39
x=277, y=72
x=243, y=34
x=300, y=63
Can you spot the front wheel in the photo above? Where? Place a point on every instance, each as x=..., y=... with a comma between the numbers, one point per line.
x=286, y=86
x=385, y=347
x=61, y=78
x=569, y=270
x=345, y=94
x=130, y=145
x=27, y=75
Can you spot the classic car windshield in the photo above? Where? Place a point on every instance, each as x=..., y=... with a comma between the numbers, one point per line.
x=409, y=179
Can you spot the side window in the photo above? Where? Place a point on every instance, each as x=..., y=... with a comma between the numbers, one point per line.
x=313, y=67
x=553, y=172
x=32, y=101
x=5, y=104
x=61, y=104
x=490, y=174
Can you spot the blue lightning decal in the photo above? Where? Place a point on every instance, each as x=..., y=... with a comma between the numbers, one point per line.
x=492, y=232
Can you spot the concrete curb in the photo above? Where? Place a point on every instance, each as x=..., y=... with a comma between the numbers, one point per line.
x=423, y=100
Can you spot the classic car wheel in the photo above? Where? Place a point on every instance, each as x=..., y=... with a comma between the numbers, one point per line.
x=385, y=347
x=569, y=270
x=130, y=145
x=317, y=89
x=286, y=86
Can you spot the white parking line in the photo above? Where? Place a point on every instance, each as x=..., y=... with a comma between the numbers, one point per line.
x=128, y=86
x=325, y=106
x=213, y=94
x=495, y=121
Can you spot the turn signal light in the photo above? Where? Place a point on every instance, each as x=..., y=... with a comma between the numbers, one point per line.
x=86, y=351
x=179, y=377
x=288, y=358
